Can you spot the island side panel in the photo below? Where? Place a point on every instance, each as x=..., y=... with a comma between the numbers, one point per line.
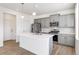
x=51, y=45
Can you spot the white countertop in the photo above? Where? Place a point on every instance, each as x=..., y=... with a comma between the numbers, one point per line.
x=68, y=33
x=35, y=35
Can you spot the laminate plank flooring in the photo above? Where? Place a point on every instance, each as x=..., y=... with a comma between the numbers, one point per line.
x=12, y=48
x=63, y=50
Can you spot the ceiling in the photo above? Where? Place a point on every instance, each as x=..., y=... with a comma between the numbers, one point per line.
x=39, y=8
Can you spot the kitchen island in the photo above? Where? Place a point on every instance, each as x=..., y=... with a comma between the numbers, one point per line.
x=40, y=44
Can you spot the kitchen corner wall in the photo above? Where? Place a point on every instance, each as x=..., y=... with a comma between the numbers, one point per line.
x=21, y=25
x=1, y=29
x=77, y=29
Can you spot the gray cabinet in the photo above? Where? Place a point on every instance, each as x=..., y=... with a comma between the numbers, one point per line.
x=71, y=20
x=45, y=22
x=37, y=21
x=67, y=20
x=54, y=18
x=70, y=40
x=66, y=39
x=42, y=23
x=62, y=39
x=63, y=21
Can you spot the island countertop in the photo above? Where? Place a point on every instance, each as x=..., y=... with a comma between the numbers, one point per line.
x=36, y=35
x=41, y=44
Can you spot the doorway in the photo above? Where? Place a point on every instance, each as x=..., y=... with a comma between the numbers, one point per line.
x=9, y=27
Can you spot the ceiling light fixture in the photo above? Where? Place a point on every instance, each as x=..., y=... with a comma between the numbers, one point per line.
x=22, y=17
x=34, y=6
x=34, y=13
x=22, y=11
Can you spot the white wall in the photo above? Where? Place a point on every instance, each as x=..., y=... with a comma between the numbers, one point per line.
x=1, y=29
x=77, y=21
x=21, y=25
x=77, y=29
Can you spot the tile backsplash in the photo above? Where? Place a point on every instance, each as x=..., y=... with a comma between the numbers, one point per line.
x=61, y=30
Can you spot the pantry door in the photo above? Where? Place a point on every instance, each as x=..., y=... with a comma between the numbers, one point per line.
x=9, y=27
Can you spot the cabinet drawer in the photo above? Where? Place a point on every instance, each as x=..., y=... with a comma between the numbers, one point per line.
x=67, y=20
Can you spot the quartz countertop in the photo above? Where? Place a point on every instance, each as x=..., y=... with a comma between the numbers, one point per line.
x=36, y=35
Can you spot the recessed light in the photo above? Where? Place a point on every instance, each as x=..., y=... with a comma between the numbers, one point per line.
x=36, y=5
x=22, y=17
x=34, y=13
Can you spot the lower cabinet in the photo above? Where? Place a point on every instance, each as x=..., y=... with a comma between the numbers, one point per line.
x=67, y=39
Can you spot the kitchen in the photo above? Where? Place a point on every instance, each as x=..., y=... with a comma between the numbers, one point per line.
x=62, y=26
x=52, y=33
x=60, y=30
x=42, y=30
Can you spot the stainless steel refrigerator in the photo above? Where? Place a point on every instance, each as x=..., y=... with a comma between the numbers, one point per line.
x=36, y=28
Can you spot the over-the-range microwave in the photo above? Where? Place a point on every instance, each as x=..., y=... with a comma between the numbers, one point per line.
x=54, y=24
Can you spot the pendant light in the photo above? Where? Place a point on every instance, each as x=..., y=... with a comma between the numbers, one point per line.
x=34, y=6
x=22, y=11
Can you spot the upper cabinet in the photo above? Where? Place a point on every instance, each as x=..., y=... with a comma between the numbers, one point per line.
x=71, y=20
x=45, y=22
x=37, y=21
x=64, y=21
x=54, y=18
x=67, y=20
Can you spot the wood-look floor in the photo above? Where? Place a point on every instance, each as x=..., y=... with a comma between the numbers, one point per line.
x=12, y=48
x=63, y=50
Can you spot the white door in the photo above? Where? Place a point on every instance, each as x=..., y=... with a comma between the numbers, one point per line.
x=9, y=26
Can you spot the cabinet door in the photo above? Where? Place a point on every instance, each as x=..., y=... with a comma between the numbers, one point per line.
x=54, y=18
x=70, y=40
x=62, y=39
x=42, y=23
x=67, y=20
x=63, y=21
x=71, y=20
x=66, y=39
x=37, y=21
x=45, y=23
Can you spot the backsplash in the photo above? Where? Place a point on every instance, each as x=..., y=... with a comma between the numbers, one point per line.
x=46, y=30
x=61, y=30
x=67, y=30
